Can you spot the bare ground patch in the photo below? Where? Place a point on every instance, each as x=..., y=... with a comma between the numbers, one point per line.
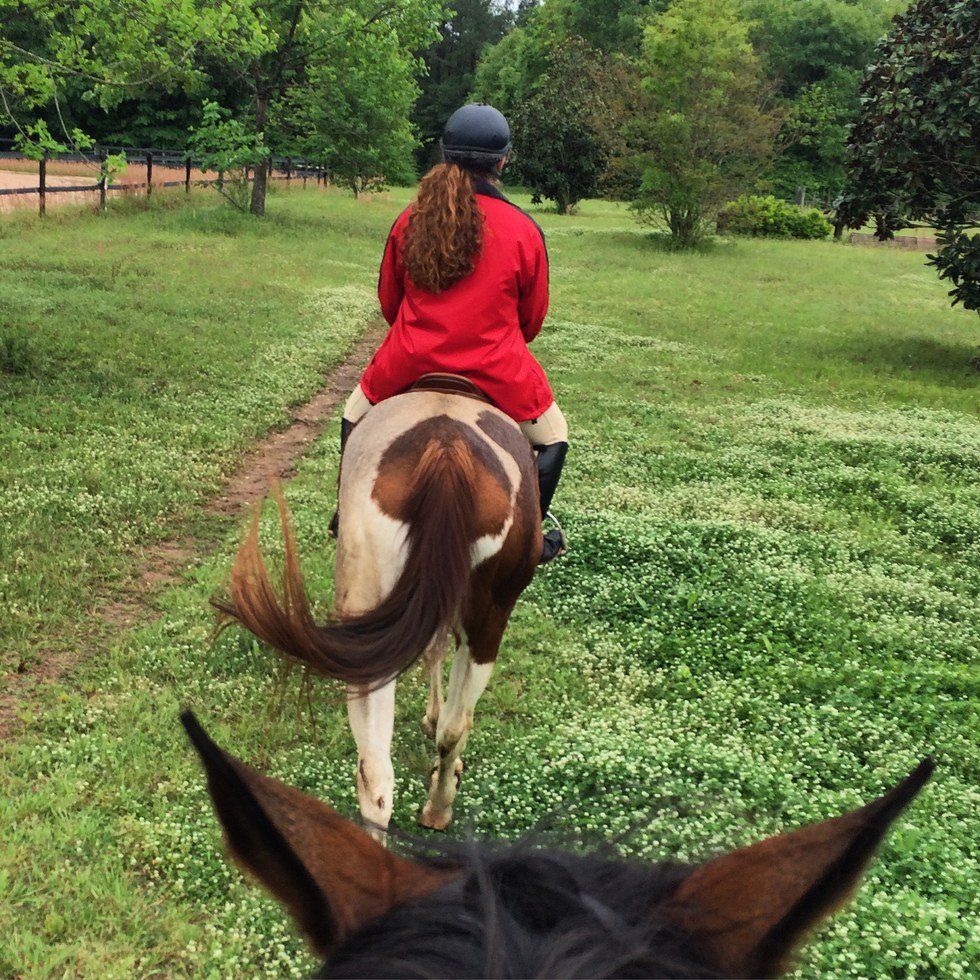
x=130, y=604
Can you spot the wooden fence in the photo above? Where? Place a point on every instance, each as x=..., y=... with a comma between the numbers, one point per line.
x=170, y=162
x=911, y=243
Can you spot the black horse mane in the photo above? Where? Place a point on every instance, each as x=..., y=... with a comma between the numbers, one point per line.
x=523, y=911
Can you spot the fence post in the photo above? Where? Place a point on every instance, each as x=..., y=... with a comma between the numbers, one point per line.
x=187, y=175
x=149, y=174
x=289, y=170
x=103, y=179
x=42, y=179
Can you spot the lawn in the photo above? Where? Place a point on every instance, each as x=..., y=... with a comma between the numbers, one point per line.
x=139, y=354
x=770, y=611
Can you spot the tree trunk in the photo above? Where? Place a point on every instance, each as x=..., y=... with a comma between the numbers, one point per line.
x=683, y=227
x=262, y=167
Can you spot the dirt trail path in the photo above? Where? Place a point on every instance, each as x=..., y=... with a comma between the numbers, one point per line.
x=131, y=604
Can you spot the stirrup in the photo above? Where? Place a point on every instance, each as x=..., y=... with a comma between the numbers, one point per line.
x=555, y=544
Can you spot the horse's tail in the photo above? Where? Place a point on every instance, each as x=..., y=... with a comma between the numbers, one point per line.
x=369, y=648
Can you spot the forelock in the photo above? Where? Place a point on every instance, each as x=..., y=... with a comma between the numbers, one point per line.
x=521, y=911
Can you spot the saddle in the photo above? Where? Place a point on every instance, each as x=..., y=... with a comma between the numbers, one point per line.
x=451, y=384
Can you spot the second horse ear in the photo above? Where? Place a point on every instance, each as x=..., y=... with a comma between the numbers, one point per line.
x=750, y=909
x=332, y=876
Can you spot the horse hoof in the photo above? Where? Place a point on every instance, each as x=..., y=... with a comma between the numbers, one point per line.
x=429, y=727
x=381, y=836
x=435, y=819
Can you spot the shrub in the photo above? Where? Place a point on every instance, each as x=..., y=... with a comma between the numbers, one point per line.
x=753, y=215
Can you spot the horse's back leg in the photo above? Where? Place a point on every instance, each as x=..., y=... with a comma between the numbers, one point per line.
x=372, y=721
x=468, y=679
x=362, y=581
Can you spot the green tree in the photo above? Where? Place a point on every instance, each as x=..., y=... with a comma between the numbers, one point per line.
x=224, y=144
x=703, y=132
x=55, y=54
x=914, y=153
x=808, y=42
x=306, y=45
x=816, y=50
x=353, y=112
x=814, y=139
x=451, y=66
x=269, y=53
x=561, y=146
x=507, y=72
x=611, y=26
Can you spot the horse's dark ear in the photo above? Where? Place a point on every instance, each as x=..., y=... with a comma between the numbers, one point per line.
x=750, y=909
x=331, y=876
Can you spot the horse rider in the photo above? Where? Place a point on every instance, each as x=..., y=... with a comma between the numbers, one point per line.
x=464, y=288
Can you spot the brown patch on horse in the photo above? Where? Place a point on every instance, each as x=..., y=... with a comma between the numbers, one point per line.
x=400, y=462
x=512, y=441
x=750, y=909
x=331, y=876
x=499, y=582
x=445, y=514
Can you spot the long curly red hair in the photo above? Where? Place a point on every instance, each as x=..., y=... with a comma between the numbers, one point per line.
x=445, y=229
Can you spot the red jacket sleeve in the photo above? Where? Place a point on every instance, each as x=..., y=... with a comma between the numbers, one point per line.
x=391, y=279
x=532, y=306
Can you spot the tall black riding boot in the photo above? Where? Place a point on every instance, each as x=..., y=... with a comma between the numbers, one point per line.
x=551, y=460
x=345, y=431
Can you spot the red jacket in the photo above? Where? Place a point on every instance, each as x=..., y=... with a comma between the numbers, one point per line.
x=481, y=326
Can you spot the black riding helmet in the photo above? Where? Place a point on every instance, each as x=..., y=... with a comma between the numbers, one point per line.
x=476, y=136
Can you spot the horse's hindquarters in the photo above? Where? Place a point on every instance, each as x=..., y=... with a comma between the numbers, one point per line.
x=439, y=510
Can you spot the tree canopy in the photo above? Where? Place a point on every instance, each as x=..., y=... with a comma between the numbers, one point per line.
x=808, y=42
x=450, y=66
x=703, y=132
x=914, y=153
x=560, y=128
x=815, y=52
x=337, y=78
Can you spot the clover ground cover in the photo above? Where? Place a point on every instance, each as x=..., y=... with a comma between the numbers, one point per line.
x=770, y=613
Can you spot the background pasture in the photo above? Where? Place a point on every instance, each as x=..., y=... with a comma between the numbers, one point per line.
x=769, y=613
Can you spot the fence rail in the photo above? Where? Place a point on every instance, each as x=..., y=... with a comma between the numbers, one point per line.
x=278, y=168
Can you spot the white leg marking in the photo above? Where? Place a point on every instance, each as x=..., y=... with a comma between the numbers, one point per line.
x=467, y=681
x=372, y=720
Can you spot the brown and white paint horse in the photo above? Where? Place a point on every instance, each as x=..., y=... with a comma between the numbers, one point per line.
x=439, y=535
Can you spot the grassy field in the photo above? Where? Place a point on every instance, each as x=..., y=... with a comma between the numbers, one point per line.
x=769, y=614
x=138, y=355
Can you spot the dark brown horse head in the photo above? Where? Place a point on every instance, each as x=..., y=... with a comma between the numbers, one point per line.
x=489, y=910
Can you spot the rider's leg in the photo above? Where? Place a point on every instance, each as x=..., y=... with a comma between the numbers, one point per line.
x=356, y=406
x=355, y=409
x=549, y=436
